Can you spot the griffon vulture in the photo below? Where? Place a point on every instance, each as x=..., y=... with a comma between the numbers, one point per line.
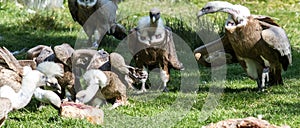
x=97, y=17
x=261, y=46
x=152, y=45
x=18, y=83
x=102, y=86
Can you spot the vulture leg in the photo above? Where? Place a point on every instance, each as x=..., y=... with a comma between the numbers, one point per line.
x=143, y=88
x=275, y=77
x=259, y=84
x=265, y=77
x=165, y=76
x=96, y=39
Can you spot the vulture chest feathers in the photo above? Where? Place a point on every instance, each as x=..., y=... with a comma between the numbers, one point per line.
x=244, y=39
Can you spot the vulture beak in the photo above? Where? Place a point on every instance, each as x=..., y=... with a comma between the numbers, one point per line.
x=53, y=83
x=153, y=19
x=154, y=14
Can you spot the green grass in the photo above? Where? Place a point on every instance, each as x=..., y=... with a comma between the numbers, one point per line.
x=239, y=98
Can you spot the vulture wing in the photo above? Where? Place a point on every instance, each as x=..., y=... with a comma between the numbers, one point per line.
x=10, y=78
x=73, y=9
x=266, y=19
x=276, y=38
x=10, y=60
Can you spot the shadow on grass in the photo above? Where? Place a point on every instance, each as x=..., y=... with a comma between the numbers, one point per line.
x=236, y=73
x=18, y=37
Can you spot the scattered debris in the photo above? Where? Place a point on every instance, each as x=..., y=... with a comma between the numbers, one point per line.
x=82, y=111
x=249, y=122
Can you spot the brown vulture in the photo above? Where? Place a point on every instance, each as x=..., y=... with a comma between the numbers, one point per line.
x=97, y=17
x=152, y=45
x=261, y=46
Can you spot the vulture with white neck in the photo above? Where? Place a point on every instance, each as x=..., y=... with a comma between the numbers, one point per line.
x=152, y=45
x=97, y=17
x=101, y=86
x=18, y=83
x=261, y=46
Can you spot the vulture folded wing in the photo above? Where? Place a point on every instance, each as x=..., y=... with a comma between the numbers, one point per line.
x=170, y=47
x=266, y=19
x=10, y=60
x=276, y=38
x=10, y=78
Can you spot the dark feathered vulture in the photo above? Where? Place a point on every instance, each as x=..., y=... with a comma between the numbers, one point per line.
x=152, y=45
x=261, y=46
x=97, y=17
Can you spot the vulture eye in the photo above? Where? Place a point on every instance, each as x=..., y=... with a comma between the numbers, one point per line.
x=143, y=38
x=158, y=36
x=207, y=9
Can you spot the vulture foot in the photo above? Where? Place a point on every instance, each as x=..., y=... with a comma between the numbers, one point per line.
x=265, y=77
x=165, y=78
x=165, y=89
x=143, y=90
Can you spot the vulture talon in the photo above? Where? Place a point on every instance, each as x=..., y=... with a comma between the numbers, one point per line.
x=165, y=89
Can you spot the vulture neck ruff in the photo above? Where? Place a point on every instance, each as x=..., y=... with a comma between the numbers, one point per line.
x=87, y=3
x=20, y=99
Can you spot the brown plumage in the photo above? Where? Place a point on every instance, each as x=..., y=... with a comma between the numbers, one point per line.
x=97, y=15
x=261, y=46
x=10, y=70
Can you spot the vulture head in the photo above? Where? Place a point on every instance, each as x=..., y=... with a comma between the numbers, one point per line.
x=87, y=3
x=151, y=29
x=237, y=14
x=154, y=15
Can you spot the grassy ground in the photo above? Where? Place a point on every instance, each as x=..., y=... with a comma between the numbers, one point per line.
x=239, y=98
